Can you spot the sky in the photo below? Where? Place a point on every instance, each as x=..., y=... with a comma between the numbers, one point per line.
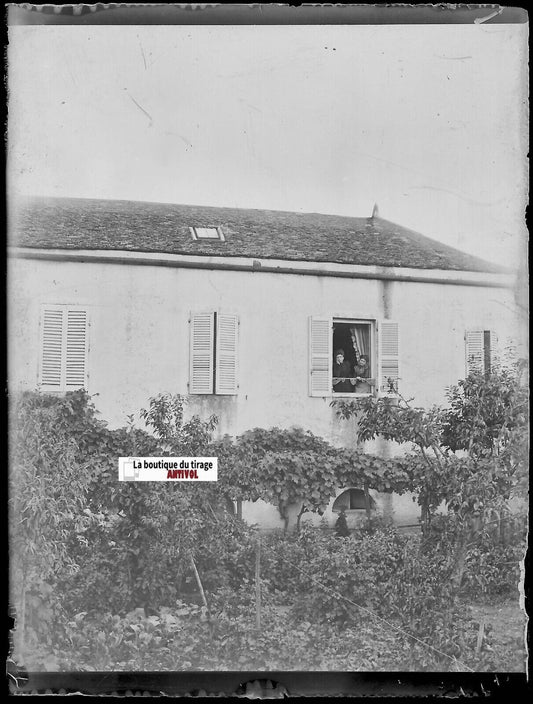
x=427, y=121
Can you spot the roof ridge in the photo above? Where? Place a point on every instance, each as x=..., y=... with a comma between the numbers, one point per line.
x=188, y=205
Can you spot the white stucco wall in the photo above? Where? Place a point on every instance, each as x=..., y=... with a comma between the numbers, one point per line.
x=139, y=337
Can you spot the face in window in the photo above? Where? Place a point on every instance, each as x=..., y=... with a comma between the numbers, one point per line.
x=339, y=358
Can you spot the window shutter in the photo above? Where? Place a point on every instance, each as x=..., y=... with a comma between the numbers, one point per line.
x=51, y=348
x=226, y=354
x=474, y=351
x=320, y=356
x=493, y=349
x=389, y=359
x=64, y=348
x=201, y=353
x=480, y=351
x=76, y=349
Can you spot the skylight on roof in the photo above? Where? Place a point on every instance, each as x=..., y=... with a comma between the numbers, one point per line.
x=207, y=233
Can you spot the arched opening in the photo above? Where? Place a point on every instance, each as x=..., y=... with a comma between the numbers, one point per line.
x=352, y=500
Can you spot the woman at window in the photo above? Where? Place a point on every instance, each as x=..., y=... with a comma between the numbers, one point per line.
x=342, y=374
x=362, y=371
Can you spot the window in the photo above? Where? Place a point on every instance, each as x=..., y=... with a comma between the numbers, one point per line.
x=63, y=348
x=480, y=351
x=353, y=357
x=213, y=353
x=207, y=233
x=351, y=500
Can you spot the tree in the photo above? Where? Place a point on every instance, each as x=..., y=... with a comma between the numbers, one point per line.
x=49, y=482
x=75, y=528
x=471, y=455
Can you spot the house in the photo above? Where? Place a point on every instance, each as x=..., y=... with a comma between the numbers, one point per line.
x=242, y=310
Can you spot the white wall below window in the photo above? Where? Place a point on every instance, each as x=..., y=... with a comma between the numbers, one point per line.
x=139, y=338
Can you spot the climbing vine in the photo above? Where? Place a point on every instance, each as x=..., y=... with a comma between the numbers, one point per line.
x=294, y=467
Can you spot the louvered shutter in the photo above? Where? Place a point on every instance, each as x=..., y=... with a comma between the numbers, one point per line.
x=226, y=354
x=389, y=358
x=201, y=353
x=76, y=349
x=493, y=351
x=64, y=347
x=320, y=356
x=474, y=351
x=51, y=349
x=480, y=351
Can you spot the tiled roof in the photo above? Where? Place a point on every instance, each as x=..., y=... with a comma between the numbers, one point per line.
x=79, y=223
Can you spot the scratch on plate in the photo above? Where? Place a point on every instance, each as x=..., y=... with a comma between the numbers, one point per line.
x=253, y=107
x=141, y=108
x=453, y=58
x=144, y=57
x=457, y=194
x=184, y=139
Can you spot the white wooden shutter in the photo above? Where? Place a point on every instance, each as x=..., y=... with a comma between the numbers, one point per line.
x=389, y=357
x=480, y=350
x=201, y=353
x=320, y=356
x=474, y=351
x=51, y=348
x=76, y=349
x=493, y=352
x=63, y=348
x=226, y=354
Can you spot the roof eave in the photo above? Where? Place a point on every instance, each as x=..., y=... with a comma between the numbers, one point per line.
x=258, y=264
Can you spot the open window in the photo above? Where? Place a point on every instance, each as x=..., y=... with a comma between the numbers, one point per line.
x=353, y=357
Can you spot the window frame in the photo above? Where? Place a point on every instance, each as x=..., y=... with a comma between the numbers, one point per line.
x=219, y=238
x=385, y=357
x=374, y=360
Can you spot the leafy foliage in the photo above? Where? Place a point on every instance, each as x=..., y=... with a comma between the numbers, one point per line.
x=294, y=467
x=75, y=531
x=470, y=456
x=370, y=601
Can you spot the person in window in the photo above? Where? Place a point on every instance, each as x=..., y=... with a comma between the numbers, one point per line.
x=362, y=371
x=342, y=374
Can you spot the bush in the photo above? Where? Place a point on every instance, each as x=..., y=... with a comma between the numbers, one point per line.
x=355, y=582
x=374, y=599
x=492, y=567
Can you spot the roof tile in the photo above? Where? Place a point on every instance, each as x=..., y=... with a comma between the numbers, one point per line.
x=79, y=223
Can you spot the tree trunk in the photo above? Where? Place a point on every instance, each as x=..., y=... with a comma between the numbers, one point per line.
x=459, y=560
x=424, y=517
x=299, y=517
x=199, y=583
